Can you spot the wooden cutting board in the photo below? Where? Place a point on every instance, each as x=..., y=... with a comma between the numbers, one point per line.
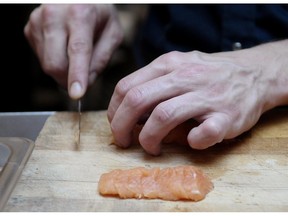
x=249, y=173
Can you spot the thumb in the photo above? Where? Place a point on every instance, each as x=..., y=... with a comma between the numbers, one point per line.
x=209, y=132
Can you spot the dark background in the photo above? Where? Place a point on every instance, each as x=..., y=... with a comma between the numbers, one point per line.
x=18, y=64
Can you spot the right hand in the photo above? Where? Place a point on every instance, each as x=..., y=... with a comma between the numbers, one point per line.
x=74, y=42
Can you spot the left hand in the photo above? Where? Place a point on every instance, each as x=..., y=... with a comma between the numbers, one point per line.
x=224, y=92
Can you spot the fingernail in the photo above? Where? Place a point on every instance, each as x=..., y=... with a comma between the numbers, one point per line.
x=75, y=90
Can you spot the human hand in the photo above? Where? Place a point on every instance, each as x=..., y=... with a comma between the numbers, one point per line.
x=74, y=42
x=225, y=92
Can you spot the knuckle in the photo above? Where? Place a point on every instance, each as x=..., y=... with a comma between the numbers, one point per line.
x=77, y=46
x=34, y=18
x=81, y=12
x=196, y=53
x=212, y=131
x=166, y=61
x=163, y=113
x=48, y=13
x=122, y=87
x=172, y=55
x=167, y=57
x=197, y=56
x=134, y=97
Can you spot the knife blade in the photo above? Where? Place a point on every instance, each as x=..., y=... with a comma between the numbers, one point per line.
x=79, y=121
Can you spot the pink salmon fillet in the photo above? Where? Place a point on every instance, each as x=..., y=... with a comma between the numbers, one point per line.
x=173, y=183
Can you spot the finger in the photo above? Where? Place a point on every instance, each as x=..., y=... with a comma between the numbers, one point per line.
x=125, y=85
x=55, y=61
x=80, y=45
x=209, y=132
x=166, y=116
x=141, y=100
x=107, y=42
x=159, y=67
x=33, y=32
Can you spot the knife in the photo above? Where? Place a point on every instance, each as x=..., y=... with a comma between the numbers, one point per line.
x=79, y=120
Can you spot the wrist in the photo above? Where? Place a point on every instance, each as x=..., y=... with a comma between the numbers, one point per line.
x=270, y=65
x=275, y=69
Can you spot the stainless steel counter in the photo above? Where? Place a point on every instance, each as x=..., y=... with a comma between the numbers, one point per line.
x=22, y=124
x=18, y=130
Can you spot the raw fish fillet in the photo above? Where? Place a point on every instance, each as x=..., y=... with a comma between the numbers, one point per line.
x=175, y=183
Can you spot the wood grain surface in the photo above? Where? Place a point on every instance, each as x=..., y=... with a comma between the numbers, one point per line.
x=249, y=172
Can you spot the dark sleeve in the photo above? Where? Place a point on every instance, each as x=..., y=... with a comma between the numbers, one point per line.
x=208, y=28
